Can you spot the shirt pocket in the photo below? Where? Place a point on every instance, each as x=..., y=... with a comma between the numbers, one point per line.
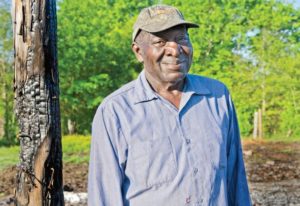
x=154, y=162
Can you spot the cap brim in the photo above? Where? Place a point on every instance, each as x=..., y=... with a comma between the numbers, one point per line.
x=158, y=27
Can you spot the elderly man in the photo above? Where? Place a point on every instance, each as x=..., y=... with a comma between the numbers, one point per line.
x=168, y=138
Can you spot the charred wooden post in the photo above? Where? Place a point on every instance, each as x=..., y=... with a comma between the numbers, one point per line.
x=39, y=177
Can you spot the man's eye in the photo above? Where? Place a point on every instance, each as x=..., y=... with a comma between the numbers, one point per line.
x=160, y=43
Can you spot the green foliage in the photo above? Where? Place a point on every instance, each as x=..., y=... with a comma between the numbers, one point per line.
x=276, y=49
x=251, y=46
x=6, y=77
x=94, y=48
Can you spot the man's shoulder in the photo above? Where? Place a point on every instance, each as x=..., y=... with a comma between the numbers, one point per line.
x=214, y=86
x=125, y=92
x=206, y=80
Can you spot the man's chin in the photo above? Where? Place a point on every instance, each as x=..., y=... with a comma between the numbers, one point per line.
x=176, y=77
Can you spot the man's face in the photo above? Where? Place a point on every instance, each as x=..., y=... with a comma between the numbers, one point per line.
x=167, y=55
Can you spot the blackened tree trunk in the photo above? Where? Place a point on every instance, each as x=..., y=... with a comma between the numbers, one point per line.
x=39, y=177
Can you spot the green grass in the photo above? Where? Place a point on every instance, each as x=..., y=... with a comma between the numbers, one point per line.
x=9, y=156
x=75, y=150
x=283, y=139
x=277, y=139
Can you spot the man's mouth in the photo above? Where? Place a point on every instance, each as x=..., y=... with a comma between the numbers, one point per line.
x=176, y=62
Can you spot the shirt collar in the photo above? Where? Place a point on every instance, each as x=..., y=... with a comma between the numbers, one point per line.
x=194, y=85
x=144, y=92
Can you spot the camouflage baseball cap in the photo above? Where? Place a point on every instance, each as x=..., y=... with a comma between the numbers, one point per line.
x=159, y=18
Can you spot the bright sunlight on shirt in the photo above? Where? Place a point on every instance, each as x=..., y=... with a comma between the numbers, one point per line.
x=146, y=152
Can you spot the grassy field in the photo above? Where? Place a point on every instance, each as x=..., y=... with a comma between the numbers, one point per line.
x=8, y=156
x=278, y=138
x=75, y=150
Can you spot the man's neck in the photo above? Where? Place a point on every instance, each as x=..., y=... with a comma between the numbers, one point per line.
x=170, y=91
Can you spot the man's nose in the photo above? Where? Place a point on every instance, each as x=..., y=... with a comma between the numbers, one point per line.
x=173, y=49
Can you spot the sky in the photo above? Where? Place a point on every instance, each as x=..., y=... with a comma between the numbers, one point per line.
x=295, y=2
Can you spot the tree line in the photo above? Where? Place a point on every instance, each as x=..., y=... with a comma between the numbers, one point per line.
x=251, y=46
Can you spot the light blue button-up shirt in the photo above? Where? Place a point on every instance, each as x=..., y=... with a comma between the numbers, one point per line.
x=146, y=152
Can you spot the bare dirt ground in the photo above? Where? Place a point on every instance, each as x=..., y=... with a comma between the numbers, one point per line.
x=273, y=172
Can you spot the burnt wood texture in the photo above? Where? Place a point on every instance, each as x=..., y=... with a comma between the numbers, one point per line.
x=36, y=86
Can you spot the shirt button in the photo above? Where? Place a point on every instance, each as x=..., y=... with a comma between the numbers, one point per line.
x=198, y=203
x=188, y=200
x=188, y=141
x=195, y=170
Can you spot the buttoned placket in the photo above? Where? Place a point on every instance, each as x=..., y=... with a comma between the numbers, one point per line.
x=191, y=199
x=197, y=200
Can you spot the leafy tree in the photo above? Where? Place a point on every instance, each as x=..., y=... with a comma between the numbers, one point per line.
x=275, y=47
x=251, y=46
x=95, y=54
x=6, y=77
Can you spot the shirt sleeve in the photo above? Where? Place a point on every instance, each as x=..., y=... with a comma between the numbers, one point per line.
x=105, y=170
x=238, y=192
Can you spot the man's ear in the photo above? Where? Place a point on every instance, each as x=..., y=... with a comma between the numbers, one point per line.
x=137, y=51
